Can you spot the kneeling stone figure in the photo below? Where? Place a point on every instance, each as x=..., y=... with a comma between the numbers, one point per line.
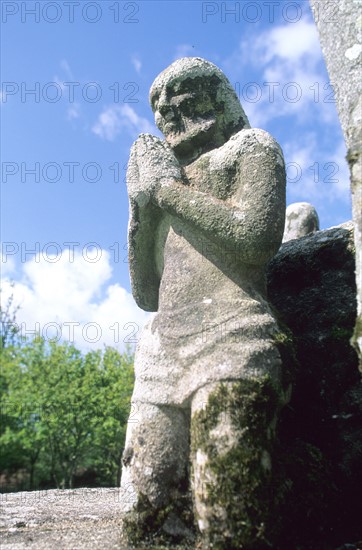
x=207, y=209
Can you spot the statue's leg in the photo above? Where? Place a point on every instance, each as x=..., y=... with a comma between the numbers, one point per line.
x=232, y=443
x=155, y=491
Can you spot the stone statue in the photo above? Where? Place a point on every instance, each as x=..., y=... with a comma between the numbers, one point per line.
x=301, y=219
x=207, y=213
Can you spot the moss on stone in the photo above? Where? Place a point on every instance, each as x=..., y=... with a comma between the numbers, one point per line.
x=340, y=333
x=144, y=526
x=243, y=485
x=282, y=338
x=287, y=348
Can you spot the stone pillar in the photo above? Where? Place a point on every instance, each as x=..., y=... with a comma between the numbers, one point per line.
x=339, y=25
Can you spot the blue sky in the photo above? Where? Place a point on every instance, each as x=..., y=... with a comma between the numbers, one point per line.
x=65, y=146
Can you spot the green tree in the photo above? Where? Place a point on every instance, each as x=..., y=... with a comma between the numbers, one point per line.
x=114, y=396
x=65, y=411
x=12, y=456
x=9, y=331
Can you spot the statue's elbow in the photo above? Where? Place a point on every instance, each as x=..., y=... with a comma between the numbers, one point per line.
x=260, y=248
x=148, y=303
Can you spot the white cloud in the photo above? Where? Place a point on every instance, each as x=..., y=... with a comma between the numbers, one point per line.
x=323, y=182
x=137, y=63
x=60, y=83
x=291, y=42
x=52, y=295
x=64, y=65
x=292, y=78
x=114, y=119
x=7, y=264
x=66, y=68
x=184, y=50
x=74, y=111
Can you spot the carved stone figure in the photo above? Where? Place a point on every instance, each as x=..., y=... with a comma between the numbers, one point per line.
x=301, y=219
x=207, y=213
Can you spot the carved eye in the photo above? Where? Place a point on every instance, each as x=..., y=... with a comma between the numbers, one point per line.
x=186, y=103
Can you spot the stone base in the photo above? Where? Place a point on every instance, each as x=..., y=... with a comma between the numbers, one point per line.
x=62, y=519
x=77, y=519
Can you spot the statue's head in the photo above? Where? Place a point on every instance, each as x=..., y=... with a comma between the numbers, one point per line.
x=195, y=107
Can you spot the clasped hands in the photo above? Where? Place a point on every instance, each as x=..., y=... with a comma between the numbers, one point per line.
x=152, y=165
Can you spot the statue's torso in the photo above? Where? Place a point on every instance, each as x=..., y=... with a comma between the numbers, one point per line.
x=212, y=322
x=196, y=267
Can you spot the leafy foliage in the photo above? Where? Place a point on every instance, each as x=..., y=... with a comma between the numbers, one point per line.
x=63, y=412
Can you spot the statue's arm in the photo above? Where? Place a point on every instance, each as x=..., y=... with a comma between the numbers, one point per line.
x=252, y=222
x=151, y=163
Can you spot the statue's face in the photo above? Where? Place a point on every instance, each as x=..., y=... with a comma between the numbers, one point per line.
x=185, y=114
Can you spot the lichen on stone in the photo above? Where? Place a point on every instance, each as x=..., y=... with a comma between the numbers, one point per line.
x=166, y=526
x=241, y=489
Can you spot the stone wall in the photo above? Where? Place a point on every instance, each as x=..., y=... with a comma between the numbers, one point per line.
x=340, y=32
x=312, y=288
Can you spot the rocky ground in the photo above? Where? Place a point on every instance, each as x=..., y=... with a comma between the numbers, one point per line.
x=69, y=519
x=62, y=519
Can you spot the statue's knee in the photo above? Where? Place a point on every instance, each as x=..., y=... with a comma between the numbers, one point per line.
x=157, y=452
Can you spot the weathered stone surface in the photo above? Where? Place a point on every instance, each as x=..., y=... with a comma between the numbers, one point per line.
x=190, y=134
x=66, y=519
x=81, y=518
x=311, y=284
x=233, y=449
x=301, y=219
x=211, y=198
x=340, y=33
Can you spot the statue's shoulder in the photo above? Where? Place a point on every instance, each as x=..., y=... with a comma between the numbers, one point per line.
x=254, y=140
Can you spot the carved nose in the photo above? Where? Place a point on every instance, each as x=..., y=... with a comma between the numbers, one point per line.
x=165, y=109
